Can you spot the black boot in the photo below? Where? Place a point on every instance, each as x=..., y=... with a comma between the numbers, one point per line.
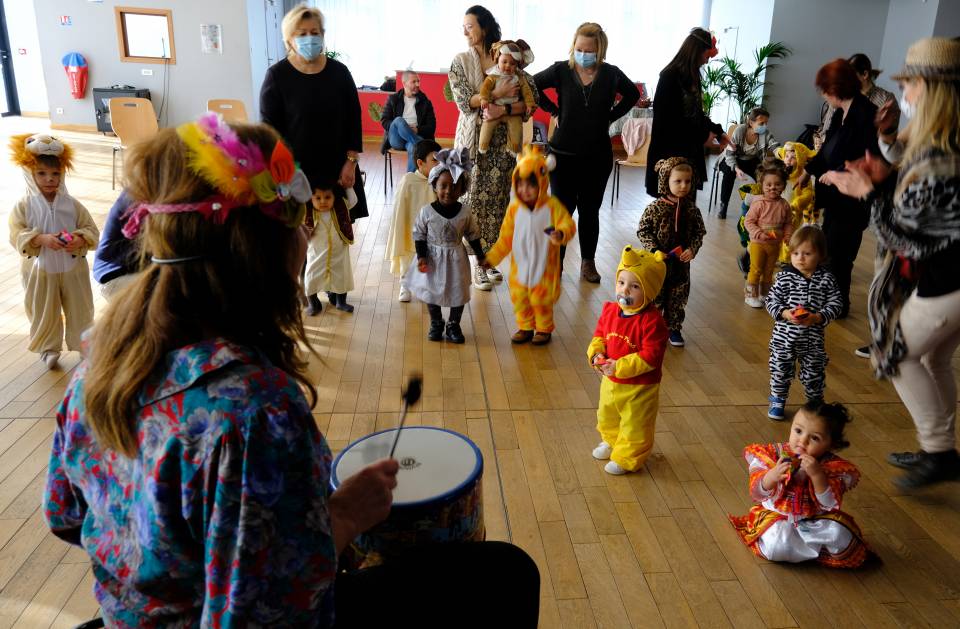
x=342, y=303
x=930, y=468
x=436, y=330
x=314, y=307
x=454, y=333
x=332, y=298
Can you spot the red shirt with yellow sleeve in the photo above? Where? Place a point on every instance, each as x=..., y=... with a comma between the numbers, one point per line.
x=637, y=342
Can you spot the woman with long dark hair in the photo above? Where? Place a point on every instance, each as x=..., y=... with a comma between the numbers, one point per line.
x=587, y=88
x=680, y=126
x=489, y=192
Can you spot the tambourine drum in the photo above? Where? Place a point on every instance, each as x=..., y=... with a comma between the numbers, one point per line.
x=438, y=497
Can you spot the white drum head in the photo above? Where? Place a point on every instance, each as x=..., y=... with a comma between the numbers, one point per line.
x=434, y=462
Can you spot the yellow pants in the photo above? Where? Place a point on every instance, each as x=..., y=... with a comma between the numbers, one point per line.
x=626, y=420
x=532, y=307
x=763, y=261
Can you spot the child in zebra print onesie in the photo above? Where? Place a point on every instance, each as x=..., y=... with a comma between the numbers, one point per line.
x=803, y=300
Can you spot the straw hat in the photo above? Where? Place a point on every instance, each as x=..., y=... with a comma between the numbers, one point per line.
x=932, y=58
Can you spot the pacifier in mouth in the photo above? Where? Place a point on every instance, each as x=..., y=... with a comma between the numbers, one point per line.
x=624, y=300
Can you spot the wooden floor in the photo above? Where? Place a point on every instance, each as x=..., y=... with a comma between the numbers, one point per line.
x=650, y=549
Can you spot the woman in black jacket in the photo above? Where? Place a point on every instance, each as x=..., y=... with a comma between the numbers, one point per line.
x=851, y=133
x=311, y=100
x=587, y=89
x=680, y=127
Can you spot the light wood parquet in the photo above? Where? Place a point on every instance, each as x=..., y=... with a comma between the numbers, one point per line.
x=652, y=549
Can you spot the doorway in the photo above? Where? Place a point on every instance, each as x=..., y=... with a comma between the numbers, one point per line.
x=9, y=103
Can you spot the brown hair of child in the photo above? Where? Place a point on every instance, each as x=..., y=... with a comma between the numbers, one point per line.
x=811, y=234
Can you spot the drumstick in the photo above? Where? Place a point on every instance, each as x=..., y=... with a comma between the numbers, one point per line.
x=410, y=397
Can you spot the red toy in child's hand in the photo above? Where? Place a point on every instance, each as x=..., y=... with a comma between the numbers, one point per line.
x=773, y=233
x=675, y=252
x=800, y=313
x=65, y=237
x=422, y=265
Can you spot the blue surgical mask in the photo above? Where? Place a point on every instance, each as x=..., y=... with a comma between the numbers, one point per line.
x=585, y=59
x=309, y=46
x=761, y=129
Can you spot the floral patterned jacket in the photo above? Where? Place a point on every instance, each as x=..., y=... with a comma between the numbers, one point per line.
x=221, y=520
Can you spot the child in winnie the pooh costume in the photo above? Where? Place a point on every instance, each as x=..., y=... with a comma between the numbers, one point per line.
x=533, y=228
x=53, y=232
x=627, y=348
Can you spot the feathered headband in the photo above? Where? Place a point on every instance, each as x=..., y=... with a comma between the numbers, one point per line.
x=240, y=174
x=25, y=148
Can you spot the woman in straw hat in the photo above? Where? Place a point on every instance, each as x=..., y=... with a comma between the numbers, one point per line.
x=914, y=300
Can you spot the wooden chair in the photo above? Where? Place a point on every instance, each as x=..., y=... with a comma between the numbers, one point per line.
x=133, y=120
x=388, y=167
x=231, y=109
x=637, y=159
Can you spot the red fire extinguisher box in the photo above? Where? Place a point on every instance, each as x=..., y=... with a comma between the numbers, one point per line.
x=76, y=68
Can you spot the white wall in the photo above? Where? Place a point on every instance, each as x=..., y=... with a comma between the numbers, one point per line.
x=948, y=19
x=27, y=68
x=752, y=19
x=195, y=78
x=818, y=31
x=907, y=21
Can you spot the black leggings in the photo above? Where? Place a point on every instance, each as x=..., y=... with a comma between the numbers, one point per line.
x=844, y=235
x=579, y=182
x=475, y=584
x=436, y=313
x=749, y=166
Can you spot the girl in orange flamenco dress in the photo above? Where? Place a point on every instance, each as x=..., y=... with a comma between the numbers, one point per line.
x=798, y=487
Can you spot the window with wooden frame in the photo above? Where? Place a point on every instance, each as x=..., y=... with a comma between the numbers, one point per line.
x=145, y=35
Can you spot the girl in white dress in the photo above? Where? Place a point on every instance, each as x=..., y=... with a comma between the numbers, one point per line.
x=328, y=250
x=441, y=276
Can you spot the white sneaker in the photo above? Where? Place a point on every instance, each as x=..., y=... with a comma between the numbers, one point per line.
x=404, y=294
x=602, y=451
x=753, y=302
x=613, y=468
x=480, y=281
x=50, y=358
x=495, y=276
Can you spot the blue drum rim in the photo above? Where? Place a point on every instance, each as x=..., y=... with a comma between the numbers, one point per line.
x=474, y=476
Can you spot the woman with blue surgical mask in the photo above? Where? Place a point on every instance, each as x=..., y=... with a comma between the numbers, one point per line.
x=587, y=91
x=311, y=100
x=749, y=144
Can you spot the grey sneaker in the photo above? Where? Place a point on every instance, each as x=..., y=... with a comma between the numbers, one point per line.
x=480, y=281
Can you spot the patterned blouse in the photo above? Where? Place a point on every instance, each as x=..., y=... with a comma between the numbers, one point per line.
x=200, y=529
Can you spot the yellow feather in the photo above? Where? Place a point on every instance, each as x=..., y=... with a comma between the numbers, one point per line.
x=207, y=160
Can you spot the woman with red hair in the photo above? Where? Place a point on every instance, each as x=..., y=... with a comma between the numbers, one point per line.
x=851, y=133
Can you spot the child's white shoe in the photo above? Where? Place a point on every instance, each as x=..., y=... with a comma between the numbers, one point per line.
x=494, y=275
x=404, y=294
x=613, y=468
x=753, y=302
x=602, y=451
x=50, y=358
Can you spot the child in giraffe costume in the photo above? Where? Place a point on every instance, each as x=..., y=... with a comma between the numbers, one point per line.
x=536, y=224
x=627, y=348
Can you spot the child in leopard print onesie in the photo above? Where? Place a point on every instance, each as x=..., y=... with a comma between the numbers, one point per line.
x=803, y=300
x=673, y=224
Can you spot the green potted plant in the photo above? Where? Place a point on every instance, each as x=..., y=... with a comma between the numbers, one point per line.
x=710, y=86
x=746, y=88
